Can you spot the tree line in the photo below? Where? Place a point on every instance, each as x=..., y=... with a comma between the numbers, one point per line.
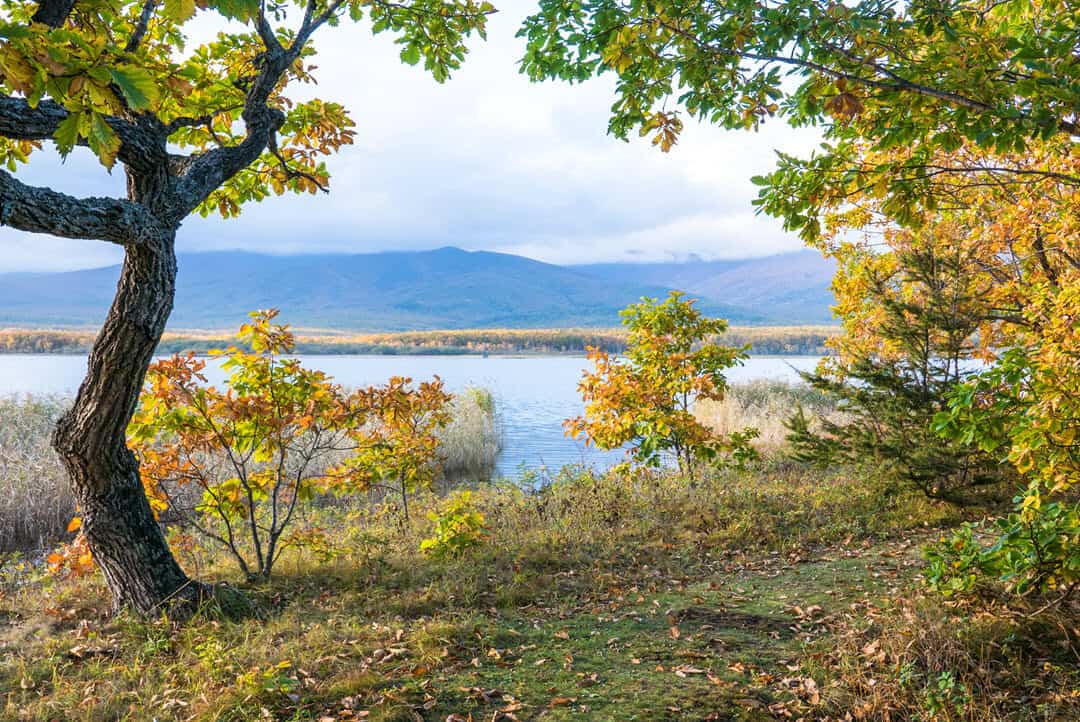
x=767, y=340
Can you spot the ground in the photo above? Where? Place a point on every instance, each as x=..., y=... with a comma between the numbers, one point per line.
x=593, y=601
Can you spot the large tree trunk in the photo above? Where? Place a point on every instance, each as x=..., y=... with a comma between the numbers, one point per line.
x=125, y=539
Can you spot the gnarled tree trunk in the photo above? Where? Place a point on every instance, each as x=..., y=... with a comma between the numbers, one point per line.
x=163, y=188
x=124, y=537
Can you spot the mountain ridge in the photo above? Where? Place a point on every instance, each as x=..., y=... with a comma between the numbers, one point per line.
x=444, y=288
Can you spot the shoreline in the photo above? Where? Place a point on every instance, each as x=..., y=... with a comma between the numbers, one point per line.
x=759, y=340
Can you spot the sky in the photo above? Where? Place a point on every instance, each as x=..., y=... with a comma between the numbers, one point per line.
x=485, y=161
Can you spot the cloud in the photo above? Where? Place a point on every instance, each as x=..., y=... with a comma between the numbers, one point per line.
x=486, y=161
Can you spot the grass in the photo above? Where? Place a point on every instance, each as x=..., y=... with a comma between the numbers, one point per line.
x=764, y=405
x=35, y=503
x=598, y=597
x=469, y=445
x=773, y=592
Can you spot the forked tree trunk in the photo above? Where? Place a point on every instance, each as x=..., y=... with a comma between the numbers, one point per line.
x=125, y=539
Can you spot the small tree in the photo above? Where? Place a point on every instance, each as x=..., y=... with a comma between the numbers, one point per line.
x=647, y=399
x=237, y=464
x=911, y=319
x=401, y=444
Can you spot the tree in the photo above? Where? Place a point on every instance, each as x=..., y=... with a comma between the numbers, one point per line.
x=647, y=400
x=237, y=464
x=207, y=130
x=960, y=112
x=922, y=76
x=400, y=453
x=911, y=317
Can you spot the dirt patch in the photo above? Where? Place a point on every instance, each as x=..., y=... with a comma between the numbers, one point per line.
x=730, y=619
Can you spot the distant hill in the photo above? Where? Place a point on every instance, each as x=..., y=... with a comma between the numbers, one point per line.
x=441, y=289
x=791, y=288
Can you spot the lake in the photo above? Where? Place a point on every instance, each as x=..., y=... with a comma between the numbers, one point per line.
x=533, y=394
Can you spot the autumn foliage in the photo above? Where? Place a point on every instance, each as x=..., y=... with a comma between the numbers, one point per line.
x=237, y=464
x=646, y=400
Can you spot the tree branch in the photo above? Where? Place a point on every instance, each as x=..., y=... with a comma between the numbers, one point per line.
x=19, y=121
x=53, y=12
x=41, y=210
x=141, y=27
x=290, y=172
x=894, y=82
x=207, y=171
x=142, y=141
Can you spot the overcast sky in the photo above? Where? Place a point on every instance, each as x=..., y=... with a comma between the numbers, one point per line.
x=486, y=161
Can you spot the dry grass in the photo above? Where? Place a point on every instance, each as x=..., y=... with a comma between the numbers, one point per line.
x=919, y=658
x=35, y=500
x=36, y=503
x=470, y=444
x=764, y=405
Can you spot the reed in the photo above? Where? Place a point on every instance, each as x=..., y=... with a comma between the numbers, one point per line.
x=35, y=500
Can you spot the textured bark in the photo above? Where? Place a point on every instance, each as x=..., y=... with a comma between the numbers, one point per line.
x=41, y=210
x=162, y=189
x=91, y=438
x=53, y=12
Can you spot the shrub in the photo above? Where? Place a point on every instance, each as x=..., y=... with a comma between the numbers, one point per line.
x=458, y=527
x=647, y=400
x=274, y=438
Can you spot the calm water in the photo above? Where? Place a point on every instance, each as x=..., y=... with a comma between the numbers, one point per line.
x=533, y=393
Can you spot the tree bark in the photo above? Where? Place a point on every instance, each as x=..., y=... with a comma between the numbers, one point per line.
x=126, y=540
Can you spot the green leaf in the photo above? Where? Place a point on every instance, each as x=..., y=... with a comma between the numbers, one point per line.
x=137, y=85
x=179, y=10
x=238, y=9
x=103, y=140
x=410, y=54
x=67, y=133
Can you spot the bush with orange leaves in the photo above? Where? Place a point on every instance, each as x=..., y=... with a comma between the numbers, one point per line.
x=236, y=464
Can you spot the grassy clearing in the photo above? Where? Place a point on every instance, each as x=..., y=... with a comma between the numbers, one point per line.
x=775, y=592
x=598, y=597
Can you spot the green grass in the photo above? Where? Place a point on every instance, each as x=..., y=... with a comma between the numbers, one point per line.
x=599, y=598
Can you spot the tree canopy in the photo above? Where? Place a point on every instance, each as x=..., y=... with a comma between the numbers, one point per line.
x=121, y=79
x=207, y=128
x=923, y=77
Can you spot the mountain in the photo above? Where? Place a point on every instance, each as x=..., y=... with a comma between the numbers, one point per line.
x=443, y=288
x=789, y=287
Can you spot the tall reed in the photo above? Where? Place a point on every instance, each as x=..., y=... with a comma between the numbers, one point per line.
x=35, y=499
x=764, y=405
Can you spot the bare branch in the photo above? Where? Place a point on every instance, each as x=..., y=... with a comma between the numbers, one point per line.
x=41, y=210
